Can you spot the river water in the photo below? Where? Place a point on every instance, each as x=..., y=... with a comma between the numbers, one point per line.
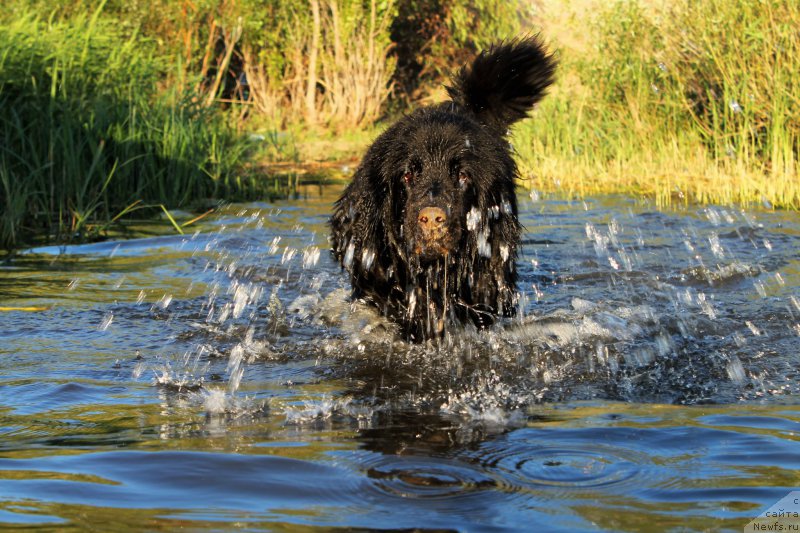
x=221, y=380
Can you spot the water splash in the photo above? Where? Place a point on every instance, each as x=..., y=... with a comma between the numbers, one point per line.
x=633, y=306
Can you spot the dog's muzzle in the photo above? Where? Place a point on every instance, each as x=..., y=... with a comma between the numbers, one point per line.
x=433, y=236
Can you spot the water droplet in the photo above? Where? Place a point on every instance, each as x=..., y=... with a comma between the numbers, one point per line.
x=506, y=206
x=235, y=368
x=739, y=339
x=138, y=369
x=484, y=248
x=736, y=370
x=504, y=251
x=537, y=292
x=752, y=327
x=288, y=254
x=215, y=401
x=760, y=289
x=224, y=313
x=273, y=247
x=712, y=215
x=412, y=302
x=240, y=300
x=107, y=319
x=727, y=216
x=164, y=302
x=706, y=306
x=367, y=258
x=310, y=257
x=347, y=262
x=664, y=345
x=642, y=356
x=716, y=246
x=473, y=219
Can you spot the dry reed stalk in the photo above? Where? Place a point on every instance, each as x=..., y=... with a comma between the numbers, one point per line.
x=356, y=79
x=265, y=94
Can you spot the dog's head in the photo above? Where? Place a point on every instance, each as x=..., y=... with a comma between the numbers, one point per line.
x=446, y=175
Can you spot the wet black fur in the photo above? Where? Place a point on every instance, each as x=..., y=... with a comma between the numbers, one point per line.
x=454, y=156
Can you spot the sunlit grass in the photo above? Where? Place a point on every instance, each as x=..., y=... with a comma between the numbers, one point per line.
x=686, y=102
x=681, y=102
x=88, y=130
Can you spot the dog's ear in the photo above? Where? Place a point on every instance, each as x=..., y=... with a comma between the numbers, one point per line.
x=350, y=222
x=355, y=225
x=504, y=82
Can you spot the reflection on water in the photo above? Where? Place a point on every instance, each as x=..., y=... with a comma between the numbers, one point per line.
x=222, y=379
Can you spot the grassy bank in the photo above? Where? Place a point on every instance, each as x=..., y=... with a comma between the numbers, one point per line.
x=679, y=101
x=89, y=132
x=109, y=108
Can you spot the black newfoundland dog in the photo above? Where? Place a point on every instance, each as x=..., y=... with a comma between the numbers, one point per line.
x=428, y=227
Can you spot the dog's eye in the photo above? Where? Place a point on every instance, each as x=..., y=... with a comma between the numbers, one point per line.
x=463, y=178
x=408, y=177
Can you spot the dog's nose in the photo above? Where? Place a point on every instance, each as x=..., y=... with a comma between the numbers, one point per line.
x=432, y=219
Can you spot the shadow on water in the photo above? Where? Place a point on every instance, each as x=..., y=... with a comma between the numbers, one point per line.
x=223, y=378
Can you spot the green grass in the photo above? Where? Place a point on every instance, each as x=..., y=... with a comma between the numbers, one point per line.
x=694, y=102
x=681, y=101
x=88, y=130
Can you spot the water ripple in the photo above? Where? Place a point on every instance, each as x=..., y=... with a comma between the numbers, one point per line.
x=425, y=478
x=527, y=465
x=564, y=467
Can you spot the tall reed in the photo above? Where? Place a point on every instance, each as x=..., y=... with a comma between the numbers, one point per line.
x=686, y=101
x=86, y=131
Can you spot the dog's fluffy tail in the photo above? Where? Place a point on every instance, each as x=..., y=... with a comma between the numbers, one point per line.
x=504, y=82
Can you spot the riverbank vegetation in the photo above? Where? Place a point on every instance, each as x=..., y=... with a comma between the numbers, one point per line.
x=109, y=109
x=90, y=134
x=681, y=101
